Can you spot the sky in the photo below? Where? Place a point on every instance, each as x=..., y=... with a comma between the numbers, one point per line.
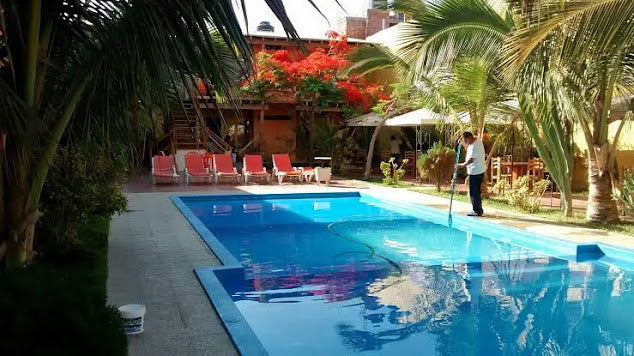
x=307, y=21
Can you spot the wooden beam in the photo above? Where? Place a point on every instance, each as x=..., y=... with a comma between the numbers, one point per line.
x=308, y=108
x=237, y=106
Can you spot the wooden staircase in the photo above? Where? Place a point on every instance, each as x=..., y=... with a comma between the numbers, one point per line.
x=190, y=133
x=187, y=130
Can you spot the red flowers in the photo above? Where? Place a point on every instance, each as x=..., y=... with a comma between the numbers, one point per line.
x=281, y=56
x=298, y=73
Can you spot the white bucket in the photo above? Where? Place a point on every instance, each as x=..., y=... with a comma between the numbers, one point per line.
x=132, y=315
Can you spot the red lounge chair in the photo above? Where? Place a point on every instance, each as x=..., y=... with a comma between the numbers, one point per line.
x=252, y=167
x=195, y=167
x=164, y=167
x=223, y=168
x=282, y=168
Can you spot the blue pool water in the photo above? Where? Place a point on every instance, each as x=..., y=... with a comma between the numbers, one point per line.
x=349, y=275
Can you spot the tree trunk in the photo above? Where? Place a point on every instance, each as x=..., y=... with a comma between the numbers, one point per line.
x=368, y=161
x=19, y=230
x=311, y=136
x=601, y=204
x=20, y=248
x=567, y=204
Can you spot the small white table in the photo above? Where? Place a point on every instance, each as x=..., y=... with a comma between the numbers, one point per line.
x=323, y=174
x=323, y=159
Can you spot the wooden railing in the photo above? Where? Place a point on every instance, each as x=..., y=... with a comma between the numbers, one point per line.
x=217, y=143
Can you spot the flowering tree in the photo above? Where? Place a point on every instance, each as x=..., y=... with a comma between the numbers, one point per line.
x=315, y=80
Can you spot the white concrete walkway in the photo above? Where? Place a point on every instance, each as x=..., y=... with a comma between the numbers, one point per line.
x=152, y=251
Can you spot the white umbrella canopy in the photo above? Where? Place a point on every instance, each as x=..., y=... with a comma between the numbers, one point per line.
x=418, y=117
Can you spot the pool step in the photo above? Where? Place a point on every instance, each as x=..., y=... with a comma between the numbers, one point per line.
x=589, y=253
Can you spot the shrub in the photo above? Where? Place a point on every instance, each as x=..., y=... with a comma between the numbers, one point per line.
x=525, y=197
x=348, y=154
x=501, y=187
x=49, y=309
x=437, y=164
x=392, y=172
x=46, y=311
x=83, y=181
x=627, y=193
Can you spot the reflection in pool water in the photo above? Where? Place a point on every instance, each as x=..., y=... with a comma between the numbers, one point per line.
x=317, y=282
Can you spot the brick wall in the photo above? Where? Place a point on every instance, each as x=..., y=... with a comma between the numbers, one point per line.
x=377, y=19
x=353, y=27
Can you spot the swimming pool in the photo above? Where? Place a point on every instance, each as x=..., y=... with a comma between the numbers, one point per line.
x=348, y=273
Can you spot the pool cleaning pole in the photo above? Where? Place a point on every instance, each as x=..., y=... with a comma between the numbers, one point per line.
x=453, y=182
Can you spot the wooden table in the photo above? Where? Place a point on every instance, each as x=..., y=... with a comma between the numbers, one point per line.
x=517, y=169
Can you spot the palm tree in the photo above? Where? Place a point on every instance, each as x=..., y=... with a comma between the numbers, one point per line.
x=463, y=85
x=81, y=61
x=582, y=54
x=566, y=61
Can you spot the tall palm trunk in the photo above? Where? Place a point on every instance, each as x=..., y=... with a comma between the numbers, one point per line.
x=601, y=204
x=389, y=112
x=19, y=217
x=20, y=245
x=368, y=160
x=24, y=181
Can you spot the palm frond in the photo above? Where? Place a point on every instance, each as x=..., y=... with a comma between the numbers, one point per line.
x=450, y=29
x=367, y=59
x=589, y=29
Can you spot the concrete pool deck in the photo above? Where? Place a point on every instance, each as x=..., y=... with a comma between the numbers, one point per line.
x=153, y=250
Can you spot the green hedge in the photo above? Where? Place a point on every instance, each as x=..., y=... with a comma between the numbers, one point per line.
x=60, y=309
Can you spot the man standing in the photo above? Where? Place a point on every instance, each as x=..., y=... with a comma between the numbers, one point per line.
x=395, y=148
x=474, y=161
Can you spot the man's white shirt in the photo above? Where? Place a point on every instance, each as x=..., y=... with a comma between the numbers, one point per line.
x=476, y=151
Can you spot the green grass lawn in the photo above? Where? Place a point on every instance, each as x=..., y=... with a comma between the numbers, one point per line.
x=553, y=215
x=60, y=308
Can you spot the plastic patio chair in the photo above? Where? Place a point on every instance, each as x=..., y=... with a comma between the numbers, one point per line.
x=282, y=168
x=223, y=168
x=195, y=167
x=164, y=167
x=252, y=167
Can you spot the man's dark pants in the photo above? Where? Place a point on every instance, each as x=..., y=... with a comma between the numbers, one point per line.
x=475, y=184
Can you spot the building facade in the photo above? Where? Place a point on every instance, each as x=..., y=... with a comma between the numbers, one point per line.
x=375, y=20
x=264, y=126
